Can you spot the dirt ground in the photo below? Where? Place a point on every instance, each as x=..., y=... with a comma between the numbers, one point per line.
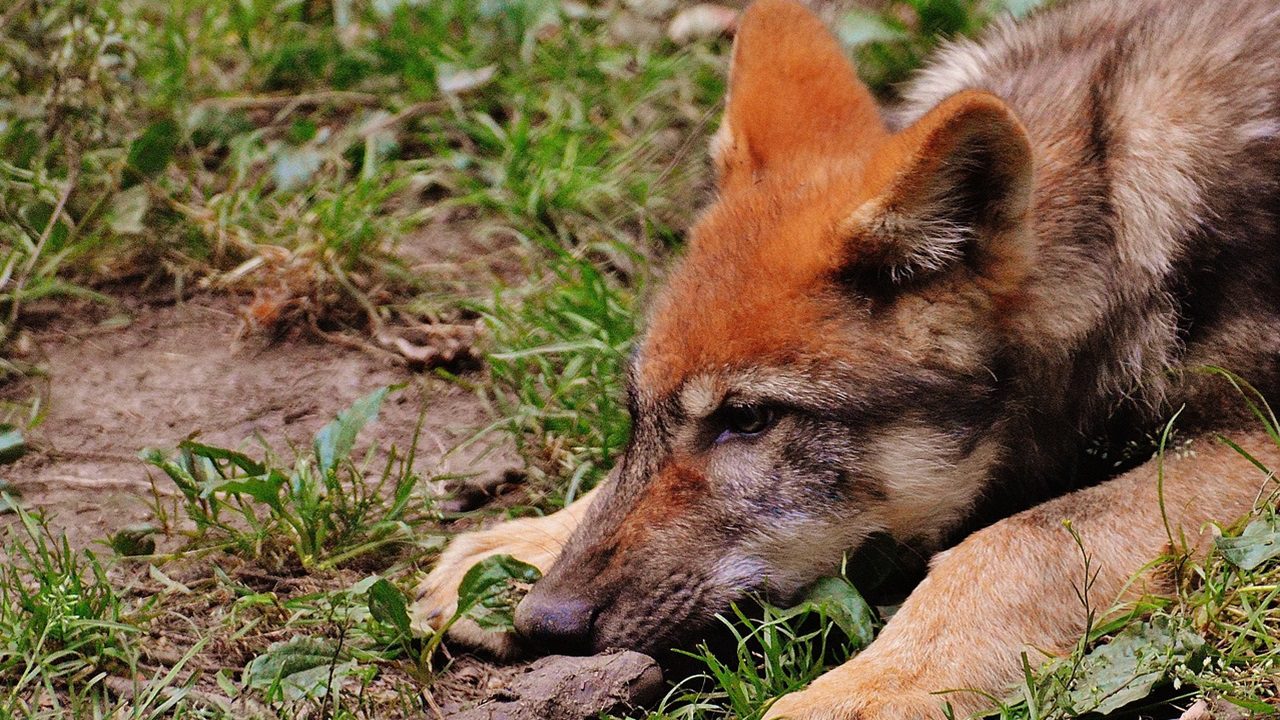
x=153, y=375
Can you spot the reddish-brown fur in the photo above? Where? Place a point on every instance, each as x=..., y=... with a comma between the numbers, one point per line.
x=802, y=149
x=676, y=489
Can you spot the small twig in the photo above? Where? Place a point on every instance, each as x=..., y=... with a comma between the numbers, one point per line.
x=405, y=114
x=431, y=702
x=344, y=340
x=267, y=102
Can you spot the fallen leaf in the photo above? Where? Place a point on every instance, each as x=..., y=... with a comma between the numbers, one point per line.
x=704, y=20
x=455, y=81
x=127, y=210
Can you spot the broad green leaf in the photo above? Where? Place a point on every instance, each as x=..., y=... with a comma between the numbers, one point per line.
x=12, y=445
x=1259, y=543
x=334, y=441
x=838, y=600
x=1128, y=667
x=389, y=606
x=240, y=460
x=263, y=488
x=491, y=589
x=39, y=214
x=300, y=668
x=152, y=151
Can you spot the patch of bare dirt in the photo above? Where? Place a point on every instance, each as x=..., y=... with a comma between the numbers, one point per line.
x=174, y=370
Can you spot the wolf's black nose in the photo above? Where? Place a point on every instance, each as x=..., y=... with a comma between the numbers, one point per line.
x=555, y=623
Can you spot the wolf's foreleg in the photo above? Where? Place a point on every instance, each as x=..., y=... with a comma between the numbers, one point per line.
x=1015, y=587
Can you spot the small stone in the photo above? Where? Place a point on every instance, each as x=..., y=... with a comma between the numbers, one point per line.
x=562, y=687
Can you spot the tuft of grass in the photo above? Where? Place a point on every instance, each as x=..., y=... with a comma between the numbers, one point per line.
x=774, y=651
x=266, y=583
x=65, y=625
x=1217, y=639
x=286, y=149
x=557, y=361
x=324, y=511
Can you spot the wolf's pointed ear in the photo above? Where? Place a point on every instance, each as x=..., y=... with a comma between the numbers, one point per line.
x=955, y=185
x=793, y=96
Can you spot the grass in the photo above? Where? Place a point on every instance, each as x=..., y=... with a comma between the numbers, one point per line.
x=62, y=619
x=298, y=155
x=270, y=571
x=324, y=511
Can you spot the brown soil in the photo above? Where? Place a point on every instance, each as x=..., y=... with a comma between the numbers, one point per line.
x=175, y=370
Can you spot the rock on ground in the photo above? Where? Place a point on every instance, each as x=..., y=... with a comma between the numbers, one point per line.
x=561, y=687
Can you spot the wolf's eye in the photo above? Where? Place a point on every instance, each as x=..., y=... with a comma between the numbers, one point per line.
x=746, y=420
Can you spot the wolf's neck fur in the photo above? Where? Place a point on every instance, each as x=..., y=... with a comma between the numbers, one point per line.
x=1157, y=189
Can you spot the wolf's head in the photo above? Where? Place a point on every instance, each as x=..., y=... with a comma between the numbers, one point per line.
x=824, y=362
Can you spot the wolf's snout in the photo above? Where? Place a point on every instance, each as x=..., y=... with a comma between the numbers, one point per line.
x=555, y=623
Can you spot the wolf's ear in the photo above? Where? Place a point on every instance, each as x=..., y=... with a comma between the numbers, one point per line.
x=955, y=185
x=793, y=96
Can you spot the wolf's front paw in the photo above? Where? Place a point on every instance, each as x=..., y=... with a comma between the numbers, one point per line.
x=536, y=541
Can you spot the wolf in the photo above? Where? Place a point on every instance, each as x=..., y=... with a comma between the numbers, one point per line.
x=941, y=322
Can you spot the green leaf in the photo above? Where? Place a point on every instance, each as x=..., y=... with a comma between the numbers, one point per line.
x=263, y=488
x=838, y=600
x=1259, y=543
x=334, y=441
x=491, y=589
x=151, y=152
x=389, y=606
x=12, y=445
x=180, y=475
x=240, y=460
x=135, y=540
x=1253, y=706
x=1127, y=668
x=40, y=214
x=299, y=668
